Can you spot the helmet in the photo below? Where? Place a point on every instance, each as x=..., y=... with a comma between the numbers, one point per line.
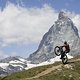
x=65, y=42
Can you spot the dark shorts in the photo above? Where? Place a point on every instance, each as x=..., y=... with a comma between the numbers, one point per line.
x=67, y=51
x=62, y=55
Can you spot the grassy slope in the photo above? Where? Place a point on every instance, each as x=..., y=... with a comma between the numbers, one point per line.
x=61, y=74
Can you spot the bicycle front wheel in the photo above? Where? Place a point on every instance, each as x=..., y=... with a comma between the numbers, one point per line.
x=57, y=50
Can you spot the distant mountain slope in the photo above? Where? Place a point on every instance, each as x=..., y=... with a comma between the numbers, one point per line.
x=12, y=64
x=57, y=71
x=62, y=30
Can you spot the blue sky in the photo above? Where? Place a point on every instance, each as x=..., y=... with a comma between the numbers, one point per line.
x=15, y=40
x=71, y=5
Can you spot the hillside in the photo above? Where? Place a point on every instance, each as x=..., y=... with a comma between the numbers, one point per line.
x=56, y=71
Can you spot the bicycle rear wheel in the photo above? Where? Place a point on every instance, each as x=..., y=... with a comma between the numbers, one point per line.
x=57, y=50
x=64, y=59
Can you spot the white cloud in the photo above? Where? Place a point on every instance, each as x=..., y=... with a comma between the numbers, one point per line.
x=25, y=24
x=4, y=44
x=75, y=18
x=28, y=25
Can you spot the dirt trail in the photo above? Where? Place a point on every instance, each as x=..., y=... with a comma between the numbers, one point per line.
x=72, y=60
x=49, y=70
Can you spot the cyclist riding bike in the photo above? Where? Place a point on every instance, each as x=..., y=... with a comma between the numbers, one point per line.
x=67, y=49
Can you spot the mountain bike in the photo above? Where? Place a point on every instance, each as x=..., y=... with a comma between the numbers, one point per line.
x=58, y=50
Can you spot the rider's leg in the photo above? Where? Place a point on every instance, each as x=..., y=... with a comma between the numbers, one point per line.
x=62, y=55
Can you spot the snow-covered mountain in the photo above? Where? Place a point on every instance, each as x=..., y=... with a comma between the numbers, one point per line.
x=12, y=64
x=62, y=30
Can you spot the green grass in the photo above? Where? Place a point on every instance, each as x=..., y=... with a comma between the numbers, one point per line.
x=0, y=78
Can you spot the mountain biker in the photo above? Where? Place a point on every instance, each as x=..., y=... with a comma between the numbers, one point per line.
x=67, y=49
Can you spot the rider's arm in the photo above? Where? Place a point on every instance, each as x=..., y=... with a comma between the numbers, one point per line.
x=64, y=45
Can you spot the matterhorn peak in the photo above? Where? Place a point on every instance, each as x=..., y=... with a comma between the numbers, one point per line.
x=62, y=30
x=62, y=15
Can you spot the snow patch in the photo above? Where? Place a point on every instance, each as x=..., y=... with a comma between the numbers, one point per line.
x=15, y=61
x=23, y=60
x=4, y=65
